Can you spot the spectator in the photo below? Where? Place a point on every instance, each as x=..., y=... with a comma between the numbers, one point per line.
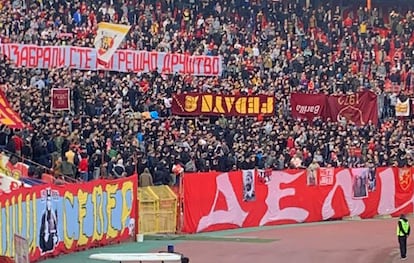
x=83, y=168
x=18, y=144
x=67, y=168
x=161, y=174
x=71, y=155
x=119, y=169
x=145, y=178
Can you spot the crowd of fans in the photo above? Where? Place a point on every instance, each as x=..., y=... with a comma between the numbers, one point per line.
x=268, y=47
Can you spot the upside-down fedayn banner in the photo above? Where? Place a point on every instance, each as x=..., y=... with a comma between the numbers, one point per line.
x=217, y=201
x=63, y=219
x=82, y=58
x=195, y=104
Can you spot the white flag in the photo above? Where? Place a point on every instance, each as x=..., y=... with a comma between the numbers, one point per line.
x=108, y=39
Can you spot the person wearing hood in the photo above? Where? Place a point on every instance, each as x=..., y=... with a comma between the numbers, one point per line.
x=403, y=231
x=145, y=179
x=161, y=174
x=118, y=170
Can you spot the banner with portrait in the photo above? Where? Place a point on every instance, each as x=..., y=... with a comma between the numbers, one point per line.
x=249, y=185
x=64, y=219
x=311, y=177
x=216, y=201
x=359, y=182
x=372, y=179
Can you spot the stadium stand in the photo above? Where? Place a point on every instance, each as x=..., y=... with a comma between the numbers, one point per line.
x=268, y=48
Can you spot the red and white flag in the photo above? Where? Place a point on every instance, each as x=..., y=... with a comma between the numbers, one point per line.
x=108, y=39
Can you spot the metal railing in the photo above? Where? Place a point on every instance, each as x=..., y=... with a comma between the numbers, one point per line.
x=44, y=169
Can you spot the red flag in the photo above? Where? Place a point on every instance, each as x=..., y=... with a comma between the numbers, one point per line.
x=8, y=116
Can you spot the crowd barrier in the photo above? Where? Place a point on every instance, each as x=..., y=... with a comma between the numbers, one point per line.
x=217, y=201
x=14, y=174
x=11, y=169
x=62, y=219
x=157, y=210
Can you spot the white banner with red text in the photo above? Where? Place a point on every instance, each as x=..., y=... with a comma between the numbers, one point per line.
x=217, y=201
x=82, y=58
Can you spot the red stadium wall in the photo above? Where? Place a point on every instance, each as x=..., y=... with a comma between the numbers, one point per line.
x=217, y=201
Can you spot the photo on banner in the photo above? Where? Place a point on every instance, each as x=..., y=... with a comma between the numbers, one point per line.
x=249, y=191
x=372, y=179
x=311, y=177
x=326, y=176
x=48, y=233
x=359, y=182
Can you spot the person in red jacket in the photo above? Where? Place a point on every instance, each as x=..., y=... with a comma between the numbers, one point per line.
x=83, y=167
x=18, y=143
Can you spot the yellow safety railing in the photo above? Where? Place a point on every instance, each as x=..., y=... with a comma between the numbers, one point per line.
x=157, y=210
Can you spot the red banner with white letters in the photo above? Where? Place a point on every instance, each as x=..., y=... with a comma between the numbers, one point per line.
x=216, y=201
x=60, y=99
x=359, y=108
x=307, y=106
